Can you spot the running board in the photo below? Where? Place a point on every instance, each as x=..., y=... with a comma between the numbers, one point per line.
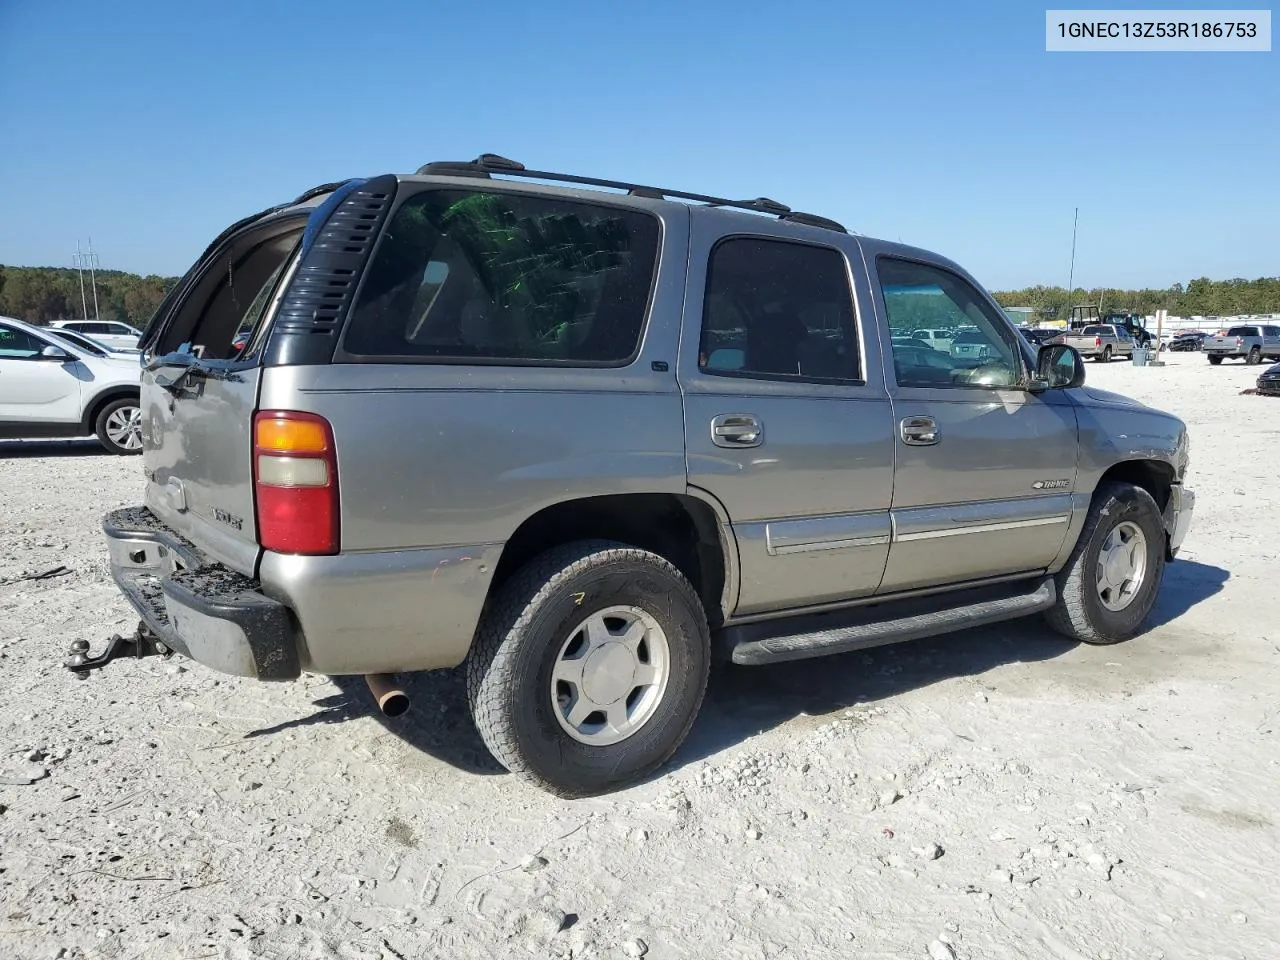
x=817, y=635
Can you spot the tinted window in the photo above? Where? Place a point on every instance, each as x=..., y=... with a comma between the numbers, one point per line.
x=1243, y=332
x=1271, y=331
x=1095, y=331
x=986, y=355
x=776, y=309
x=490, y=276
x=19, y=345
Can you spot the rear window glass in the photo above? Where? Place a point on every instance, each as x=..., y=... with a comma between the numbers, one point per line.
x=462, y=275
x=1094, y=331
x=1242, y=332
x=971, y=336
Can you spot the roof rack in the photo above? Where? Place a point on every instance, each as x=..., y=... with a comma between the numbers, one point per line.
x=491, y=163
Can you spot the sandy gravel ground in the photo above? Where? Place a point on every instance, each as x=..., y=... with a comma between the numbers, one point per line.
x=995, y=794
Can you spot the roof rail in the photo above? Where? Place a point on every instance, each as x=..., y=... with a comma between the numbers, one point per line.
x=491, y=163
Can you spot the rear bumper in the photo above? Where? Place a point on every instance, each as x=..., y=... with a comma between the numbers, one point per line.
x=1177, y=517
x=198, y=608
x=355, y=613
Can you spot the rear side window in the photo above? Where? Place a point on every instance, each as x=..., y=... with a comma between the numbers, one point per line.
x=778, y=310
x=463, y=275
x=1243, y=332
x=1271, y=331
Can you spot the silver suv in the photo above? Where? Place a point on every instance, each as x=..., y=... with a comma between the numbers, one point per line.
x=582, y=436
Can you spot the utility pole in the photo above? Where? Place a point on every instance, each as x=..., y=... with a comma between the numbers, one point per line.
x=89, y=260
x=1071, y=277
x=80, y=269
x=93, y=279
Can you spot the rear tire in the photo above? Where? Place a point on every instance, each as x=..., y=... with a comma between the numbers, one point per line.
x=574, y=607
x=1096, y=604
x=119, y=426
x=1254, y=358
x=1215, y=360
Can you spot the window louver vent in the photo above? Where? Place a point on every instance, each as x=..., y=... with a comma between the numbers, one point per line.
x=311, y=314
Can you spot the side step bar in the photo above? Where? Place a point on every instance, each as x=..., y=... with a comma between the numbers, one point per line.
x=817, y=635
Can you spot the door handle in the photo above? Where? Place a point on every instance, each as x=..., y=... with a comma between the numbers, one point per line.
x=737, y=430
x=918, y=431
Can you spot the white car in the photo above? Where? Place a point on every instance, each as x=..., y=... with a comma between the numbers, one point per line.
x=107, y=332
x=50, y=387
x=97, y=348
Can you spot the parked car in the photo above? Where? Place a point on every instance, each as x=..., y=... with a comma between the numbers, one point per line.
x=108, y=332
x=1251, y=343
x=1269, y=381
x=51, y=387
x=937, y=339
x=93, y=346
x=1101, y=342
x=972, y=347
x=586, y=439
x=1187, y=341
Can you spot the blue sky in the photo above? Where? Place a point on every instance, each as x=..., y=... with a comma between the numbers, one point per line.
x=152, y=125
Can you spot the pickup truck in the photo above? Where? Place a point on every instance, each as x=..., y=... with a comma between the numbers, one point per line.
x=580, y=437
x=1248, y=342
x=1102, y=341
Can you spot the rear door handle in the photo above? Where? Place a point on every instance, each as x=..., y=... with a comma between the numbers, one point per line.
x=918, y=431
x=737, y=430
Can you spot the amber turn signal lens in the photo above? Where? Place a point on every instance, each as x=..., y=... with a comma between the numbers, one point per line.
x=290, y=436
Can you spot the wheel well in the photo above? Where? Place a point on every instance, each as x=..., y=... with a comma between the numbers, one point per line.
x=114, y=393
x=1153, y=476
x=682, y=529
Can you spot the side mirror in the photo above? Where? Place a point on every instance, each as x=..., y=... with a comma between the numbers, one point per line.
x=55, y=353
x=1059, y=367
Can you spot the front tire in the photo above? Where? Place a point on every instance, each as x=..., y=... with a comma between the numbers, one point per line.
x=119, y=427
x=589, y=667
x=1111, y=580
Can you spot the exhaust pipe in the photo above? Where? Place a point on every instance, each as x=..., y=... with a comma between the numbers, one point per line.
x=392, y=701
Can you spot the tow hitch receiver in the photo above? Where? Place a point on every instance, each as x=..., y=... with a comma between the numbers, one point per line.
x=143, y=643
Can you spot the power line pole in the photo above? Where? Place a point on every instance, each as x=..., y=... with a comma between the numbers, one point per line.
x=79, y=262
x=93, y=279
x=88, y=260
x=1071, y=277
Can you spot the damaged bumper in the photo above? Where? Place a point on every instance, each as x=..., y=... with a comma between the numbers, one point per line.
x=198, y=608
x=1177, y=517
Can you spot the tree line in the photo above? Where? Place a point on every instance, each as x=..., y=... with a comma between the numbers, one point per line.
x=44, y=294
x=1199, y=298
x=41, y=295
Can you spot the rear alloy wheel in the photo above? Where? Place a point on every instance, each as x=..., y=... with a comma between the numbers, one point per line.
x=1254, y=358
x=119, y=426
x=589, y=667
x=1110, y=583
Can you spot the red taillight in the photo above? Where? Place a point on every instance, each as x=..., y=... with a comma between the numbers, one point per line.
x=1239, y=341
x=295, y=474
x=1097, y=341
